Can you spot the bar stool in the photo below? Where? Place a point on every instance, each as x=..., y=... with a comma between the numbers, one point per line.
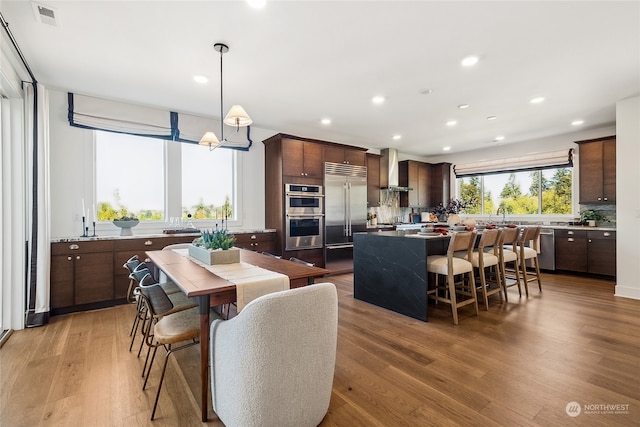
x=508, y=240
x=530, y=234
x=486, y=256
x=451, y=266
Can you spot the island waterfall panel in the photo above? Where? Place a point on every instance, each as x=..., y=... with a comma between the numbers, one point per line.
x=390, y=270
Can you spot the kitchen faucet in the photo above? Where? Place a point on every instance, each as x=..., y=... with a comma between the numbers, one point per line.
x=504, y=211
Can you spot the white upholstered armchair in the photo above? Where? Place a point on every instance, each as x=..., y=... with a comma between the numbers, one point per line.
x=273, y=364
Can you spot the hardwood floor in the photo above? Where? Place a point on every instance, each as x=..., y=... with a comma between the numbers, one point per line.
x=520, y=363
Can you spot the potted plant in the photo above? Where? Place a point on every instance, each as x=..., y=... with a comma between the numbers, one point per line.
x=215, y=247
x=126, y=223
x=589, y=217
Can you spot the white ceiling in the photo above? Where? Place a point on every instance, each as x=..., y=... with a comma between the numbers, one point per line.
x=294, y=62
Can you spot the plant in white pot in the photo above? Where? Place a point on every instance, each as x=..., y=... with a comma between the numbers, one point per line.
x=215, y=247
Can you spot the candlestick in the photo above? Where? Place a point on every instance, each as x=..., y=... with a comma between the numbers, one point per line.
x=83, y=206
x=94, y=229
x=84, y=220
x=86, y=231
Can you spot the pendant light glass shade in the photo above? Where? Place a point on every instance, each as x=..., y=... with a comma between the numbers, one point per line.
x=237, y=117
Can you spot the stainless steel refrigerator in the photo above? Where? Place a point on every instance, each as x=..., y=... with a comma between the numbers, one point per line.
x=345, y=189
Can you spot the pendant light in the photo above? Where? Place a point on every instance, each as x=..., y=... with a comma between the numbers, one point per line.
x=236, y=116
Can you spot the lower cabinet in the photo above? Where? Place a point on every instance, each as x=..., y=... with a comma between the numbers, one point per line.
x=586, y=251
x=258, y=242
x=81, y=273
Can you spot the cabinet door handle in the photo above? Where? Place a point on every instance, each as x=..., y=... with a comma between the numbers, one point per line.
x=606, y=199
x=599, y=198
x=77, y=256
x=570, y=239
x=607, y=234
x=148, y=243
x=254, y=237
x=570, y=232
x=68, y=258
x=589, y=240
x=74, y=247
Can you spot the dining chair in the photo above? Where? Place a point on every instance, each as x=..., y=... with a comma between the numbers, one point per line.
x=451, y=266
x=170, y=329
x=486, y=256
x=509, y=258
x=273, y=364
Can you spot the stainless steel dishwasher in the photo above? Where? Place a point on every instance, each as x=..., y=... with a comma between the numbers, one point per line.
x=547, y=255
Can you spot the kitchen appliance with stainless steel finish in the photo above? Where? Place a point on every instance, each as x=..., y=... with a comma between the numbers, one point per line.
x=345, y=212
x=304, y=217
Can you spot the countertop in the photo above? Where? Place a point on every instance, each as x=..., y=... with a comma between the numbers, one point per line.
x=149, y=236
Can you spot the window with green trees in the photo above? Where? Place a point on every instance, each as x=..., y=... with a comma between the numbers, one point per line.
x=136, y=178
x=541, y=191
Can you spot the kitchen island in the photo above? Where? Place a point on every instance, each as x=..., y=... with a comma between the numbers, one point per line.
x=390, y=270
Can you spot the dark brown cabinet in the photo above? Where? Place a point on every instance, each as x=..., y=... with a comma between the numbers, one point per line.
x=601, y=252
x=415, y=175
x=373, y=179
x=344, y=155
x=586, y=251
x=598, y=170
x=81, y=273
x=258, y=242
x=440, y=184
x=571, y=250
x=301, y=158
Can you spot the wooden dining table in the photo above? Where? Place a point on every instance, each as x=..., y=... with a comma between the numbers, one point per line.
x=211, y=290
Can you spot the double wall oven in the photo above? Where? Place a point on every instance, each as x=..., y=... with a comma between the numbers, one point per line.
x=304, y=216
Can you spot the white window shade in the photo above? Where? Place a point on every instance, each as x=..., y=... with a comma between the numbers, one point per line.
x=553, y=159
x=96, y=113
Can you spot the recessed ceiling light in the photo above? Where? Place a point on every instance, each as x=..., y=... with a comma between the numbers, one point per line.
x=378, y=99
x=491, y=118
x=451, y=123
x=425, y=91
x=258, y=4
x=397, y=137
x=498, y=138
x=446, y=148
x=537, y=100
x=470, y=61
x=325, y=121
x=200, y=79
x=577, y=122
x=463, y=106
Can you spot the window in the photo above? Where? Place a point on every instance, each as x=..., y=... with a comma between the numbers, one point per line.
x=131, y=172
x=541, y=191
x=129, y=177
x=207, y=182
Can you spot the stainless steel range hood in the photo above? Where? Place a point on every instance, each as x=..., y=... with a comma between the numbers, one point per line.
x=389, y=170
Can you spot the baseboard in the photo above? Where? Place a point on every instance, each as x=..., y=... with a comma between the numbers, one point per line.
x=627, y=292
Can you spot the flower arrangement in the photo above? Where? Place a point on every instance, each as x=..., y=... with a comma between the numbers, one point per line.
x=454, y=206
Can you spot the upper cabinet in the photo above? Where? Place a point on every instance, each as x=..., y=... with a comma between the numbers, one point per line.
x=301, y=158
x=373, y=179
x=344, y=155
x=597, y=170
x=440, y=184
x=415, y=175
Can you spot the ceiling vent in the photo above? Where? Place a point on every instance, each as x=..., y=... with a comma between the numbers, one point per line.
x=45, y=14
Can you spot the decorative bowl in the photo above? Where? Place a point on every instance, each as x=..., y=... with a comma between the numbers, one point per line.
x=126, y=226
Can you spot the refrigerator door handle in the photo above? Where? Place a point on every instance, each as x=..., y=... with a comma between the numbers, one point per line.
x=345, y=224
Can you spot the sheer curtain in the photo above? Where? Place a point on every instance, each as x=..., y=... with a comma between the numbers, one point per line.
x=36, y=104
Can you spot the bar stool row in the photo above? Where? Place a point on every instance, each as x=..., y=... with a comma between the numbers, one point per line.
x=500, y=258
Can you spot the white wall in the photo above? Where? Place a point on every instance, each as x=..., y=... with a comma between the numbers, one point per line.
x=628, y=197
x=72, y=177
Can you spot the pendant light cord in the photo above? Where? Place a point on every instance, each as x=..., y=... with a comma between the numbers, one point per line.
x=221, y=102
